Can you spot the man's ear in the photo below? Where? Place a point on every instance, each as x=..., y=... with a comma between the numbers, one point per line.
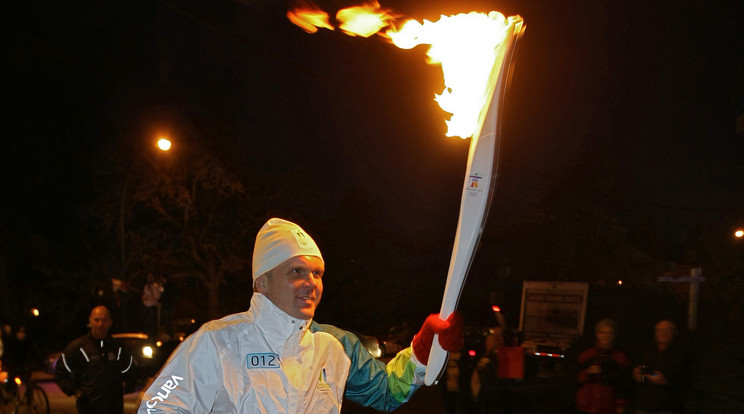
x=260, y=284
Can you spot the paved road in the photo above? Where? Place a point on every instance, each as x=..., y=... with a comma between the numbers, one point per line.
x=59, y=403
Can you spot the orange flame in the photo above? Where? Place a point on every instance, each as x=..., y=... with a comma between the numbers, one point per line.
x=363, y=20
x=465, y=45
x=309, y=18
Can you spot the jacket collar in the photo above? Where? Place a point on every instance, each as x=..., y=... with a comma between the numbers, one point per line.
x=277, y=325
x=99, y=341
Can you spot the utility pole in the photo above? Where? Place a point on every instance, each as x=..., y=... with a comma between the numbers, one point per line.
x=694, y=280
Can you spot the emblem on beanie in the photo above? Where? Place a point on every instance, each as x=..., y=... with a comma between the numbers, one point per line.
x=303, y=240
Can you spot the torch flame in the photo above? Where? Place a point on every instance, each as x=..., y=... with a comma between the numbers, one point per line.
x=309, y=18
x=364, y=20
x=465, y=45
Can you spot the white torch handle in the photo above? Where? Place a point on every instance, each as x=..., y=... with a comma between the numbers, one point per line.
x=469, y=227
x=480, y=179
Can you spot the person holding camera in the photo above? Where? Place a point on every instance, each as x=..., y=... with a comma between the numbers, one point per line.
x=603, y=374
x=665, y=373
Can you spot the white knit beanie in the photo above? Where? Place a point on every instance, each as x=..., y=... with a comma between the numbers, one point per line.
x=277, y=241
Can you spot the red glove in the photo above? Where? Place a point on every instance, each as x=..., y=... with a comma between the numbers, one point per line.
x=449, y=331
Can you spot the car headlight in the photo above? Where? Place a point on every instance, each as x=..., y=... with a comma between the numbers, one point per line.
x=147, y=351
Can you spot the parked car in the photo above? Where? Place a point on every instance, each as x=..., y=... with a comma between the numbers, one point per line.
x=149, y=354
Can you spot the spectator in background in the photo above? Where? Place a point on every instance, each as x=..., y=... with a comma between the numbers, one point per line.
x=665, y=373
x=604, y=374
x=95, y=367
x=4, y=339
x=21, y=355
x=491, y=394
x=455, y=392
x=151, y=293
x=7, y=334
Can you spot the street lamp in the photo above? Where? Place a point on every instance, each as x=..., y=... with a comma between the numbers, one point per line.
x=164, y=144
x=739, y=233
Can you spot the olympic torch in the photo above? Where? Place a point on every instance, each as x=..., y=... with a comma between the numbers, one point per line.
x=478, y=189
x=475, y=51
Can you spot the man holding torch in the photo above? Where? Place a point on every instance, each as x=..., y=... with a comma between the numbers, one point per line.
x=275, y=358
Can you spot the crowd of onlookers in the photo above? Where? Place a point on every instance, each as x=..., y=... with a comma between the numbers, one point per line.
x=606, y=380
x=18, y=354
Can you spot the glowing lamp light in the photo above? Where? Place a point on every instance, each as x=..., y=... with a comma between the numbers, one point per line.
x=147, y=351
x=164, y=144
x=496, y=308
x=35, y=312
x=739, y=233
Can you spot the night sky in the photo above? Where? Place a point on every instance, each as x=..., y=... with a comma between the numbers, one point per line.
x=626, y=105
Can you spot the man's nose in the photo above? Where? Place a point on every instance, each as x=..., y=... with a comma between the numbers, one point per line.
x=309, y=280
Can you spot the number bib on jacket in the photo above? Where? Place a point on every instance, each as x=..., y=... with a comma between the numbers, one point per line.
x=262, y=360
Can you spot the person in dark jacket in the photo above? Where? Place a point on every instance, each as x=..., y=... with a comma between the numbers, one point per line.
x=604, y=374
x=665, y=373
x=95, y=367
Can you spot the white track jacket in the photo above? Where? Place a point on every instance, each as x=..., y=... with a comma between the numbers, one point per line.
x=265, y=361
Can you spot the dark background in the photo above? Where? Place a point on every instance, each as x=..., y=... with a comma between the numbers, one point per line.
x=620, y=155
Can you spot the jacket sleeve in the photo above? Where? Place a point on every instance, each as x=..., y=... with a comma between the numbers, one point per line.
x=63, y=372
x=189, y=381
x=129, y=370
x=372, y=383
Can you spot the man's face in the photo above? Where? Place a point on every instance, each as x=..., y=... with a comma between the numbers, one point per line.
x=664, y=332
x=100, y=322
x=605, y=336
x=295, y=286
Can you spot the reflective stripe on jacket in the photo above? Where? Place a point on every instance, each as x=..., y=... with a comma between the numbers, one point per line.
x=266, y=361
